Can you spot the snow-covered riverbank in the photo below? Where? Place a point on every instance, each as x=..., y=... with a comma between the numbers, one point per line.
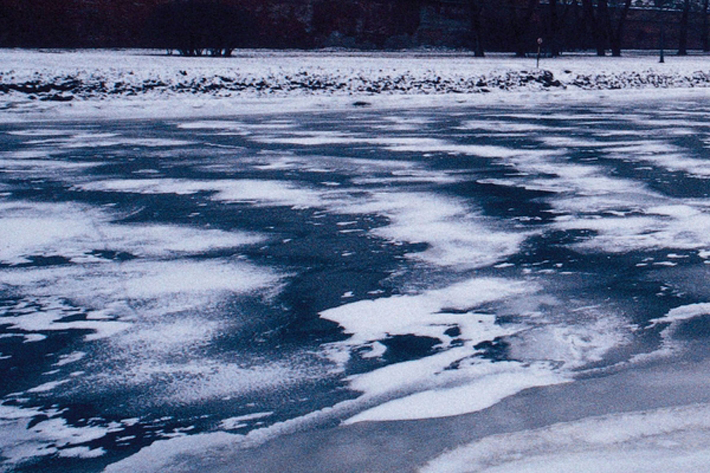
x=96, y=80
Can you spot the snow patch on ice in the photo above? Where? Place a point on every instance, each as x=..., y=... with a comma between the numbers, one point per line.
x=103, y=140
x=455, y=235
x=434, y=145
x=198, y=379
x=173, y=278
x=82, y=452
x=52, y=436
x=139, y=300
x=260, y=192
x=411, y=144
x=669, y=226
x=500, y=126
x=492, y=383
x=238, y=422
x=77, y=232
x=38, y=132
x=453, y=381
x=162, y=455
x=426, y=314
x=682, y=313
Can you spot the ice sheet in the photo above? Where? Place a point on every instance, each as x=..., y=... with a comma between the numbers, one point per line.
x=663, y=440
x=165, y=313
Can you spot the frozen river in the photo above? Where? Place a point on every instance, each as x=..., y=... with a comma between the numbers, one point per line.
x=272, y=274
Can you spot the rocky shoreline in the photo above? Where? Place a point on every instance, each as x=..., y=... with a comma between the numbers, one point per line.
x=46, y=86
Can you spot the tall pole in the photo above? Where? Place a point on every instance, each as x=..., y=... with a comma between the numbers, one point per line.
x=539, y=47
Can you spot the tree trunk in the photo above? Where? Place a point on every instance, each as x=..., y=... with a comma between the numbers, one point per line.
x=554, y=27
x=520, y=25
x=683, y=37
x=594, y=26
x=604, y=22
x=705, y=35
x=575, y=36
x=476, y=8
x=513, y=15
x=617, y=34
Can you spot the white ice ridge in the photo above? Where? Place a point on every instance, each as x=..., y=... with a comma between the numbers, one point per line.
x=686, y=312
x=475, y=387
x=669, y=440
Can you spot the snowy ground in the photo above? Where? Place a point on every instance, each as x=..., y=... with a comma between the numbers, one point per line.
x=351, y=279
x=110, y=83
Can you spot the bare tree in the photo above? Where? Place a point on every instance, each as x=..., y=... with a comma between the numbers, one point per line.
x=553, y=27
x=595, y=27
x=705, y=36
x=683, y=33
x=564, y=26
x=475, y=12
x=607, y=22
x=687, y=8
x=520, y=24
x=199, y=27
x=616, y=31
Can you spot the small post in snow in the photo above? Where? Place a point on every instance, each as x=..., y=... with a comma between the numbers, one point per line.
x=539, y=46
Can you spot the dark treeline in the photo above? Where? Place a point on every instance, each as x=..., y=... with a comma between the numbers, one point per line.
x=217, y=27
x=198, y=27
